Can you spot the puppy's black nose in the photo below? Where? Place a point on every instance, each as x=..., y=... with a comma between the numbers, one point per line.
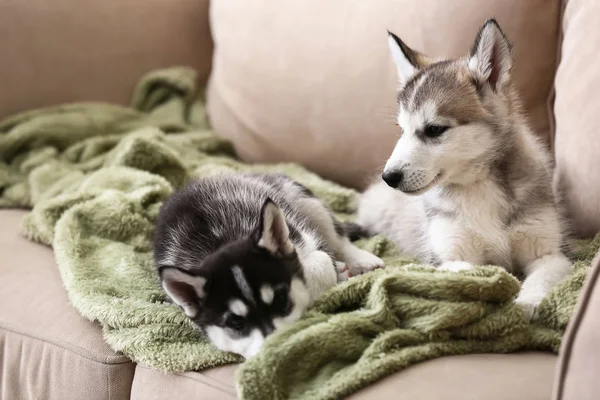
x=393, y=178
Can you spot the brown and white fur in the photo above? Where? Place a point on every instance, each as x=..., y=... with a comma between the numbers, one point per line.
x=468, y=183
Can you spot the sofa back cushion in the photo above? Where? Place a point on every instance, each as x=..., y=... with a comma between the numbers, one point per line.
x=577, y=142
x=313, y=82
x=71, y=50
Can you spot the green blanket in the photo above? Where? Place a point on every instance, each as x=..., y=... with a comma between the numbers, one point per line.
x=96, y=175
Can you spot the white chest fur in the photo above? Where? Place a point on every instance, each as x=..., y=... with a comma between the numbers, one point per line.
x=468, y=224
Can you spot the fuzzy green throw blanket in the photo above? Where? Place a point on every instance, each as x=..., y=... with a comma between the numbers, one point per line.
x=96, y=175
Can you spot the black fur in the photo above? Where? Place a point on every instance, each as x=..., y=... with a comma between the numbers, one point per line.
x=354, y=231
x=214, y=227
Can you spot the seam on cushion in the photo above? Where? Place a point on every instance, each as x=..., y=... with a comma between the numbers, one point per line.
x=213, y=383
x=109, y=360
x=570, y=336
x=108, y=383
x=551, y=97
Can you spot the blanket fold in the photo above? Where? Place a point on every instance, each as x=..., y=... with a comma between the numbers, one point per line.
x=95, y=176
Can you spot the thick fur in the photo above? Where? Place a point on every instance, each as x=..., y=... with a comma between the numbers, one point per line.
x=243, y=254
x=468, y=183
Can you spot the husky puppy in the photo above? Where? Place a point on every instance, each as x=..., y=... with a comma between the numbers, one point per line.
x=243, y=254
x=468, y=183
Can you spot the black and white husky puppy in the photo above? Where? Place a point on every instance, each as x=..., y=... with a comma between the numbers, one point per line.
x=243, y=254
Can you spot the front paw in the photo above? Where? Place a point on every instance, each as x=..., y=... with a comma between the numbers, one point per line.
x=362, y=261
x=529, y=302
x=343, y=272
x=455, y=266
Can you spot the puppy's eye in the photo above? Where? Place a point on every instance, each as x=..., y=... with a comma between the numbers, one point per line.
x=235, y=322
x=433, y=131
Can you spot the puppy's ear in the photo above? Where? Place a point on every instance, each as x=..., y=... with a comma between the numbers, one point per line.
x=185, y=289
x=407, y=60
x=491, y=56
x=273, y=233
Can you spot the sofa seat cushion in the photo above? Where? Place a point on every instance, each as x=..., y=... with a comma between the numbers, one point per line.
x=471, y=377
x=211, y=384
x=49, y=351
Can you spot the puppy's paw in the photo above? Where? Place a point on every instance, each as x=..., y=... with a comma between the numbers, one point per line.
x=455, y=266
x=362, y=261
x=342, y=270
x=529, y=302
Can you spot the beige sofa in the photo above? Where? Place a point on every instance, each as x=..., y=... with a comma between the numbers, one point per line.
x=305, y=81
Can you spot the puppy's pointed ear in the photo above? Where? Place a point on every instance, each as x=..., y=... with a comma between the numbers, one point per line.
x=273, y=233
x=185, y=289
x=491, y=56
x=407, y=60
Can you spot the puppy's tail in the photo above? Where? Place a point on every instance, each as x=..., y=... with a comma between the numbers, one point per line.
x=354, y=231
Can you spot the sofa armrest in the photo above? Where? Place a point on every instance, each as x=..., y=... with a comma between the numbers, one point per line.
x=579, y=361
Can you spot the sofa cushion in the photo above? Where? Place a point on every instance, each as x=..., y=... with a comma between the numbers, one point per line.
x=579, y=362
x=213, y=384
x=313, y=82
x=69, y=50
x=49, y=351
x=577, y=143
x=472, y=377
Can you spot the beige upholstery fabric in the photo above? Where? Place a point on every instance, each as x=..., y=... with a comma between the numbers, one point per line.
x=47, y=350
x=579, y=362
x=473, y=377
x=576, y=107
x=212, y=384
x=51, y=352
x=71, y=50
x=312, y=81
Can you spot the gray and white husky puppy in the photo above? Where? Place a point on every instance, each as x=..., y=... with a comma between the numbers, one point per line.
x=243, y=254
x=468, y=183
